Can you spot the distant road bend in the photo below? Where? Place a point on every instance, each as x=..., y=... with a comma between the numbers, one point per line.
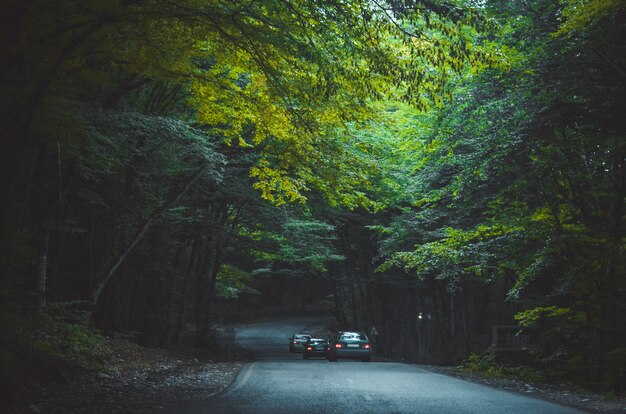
x=280, y=382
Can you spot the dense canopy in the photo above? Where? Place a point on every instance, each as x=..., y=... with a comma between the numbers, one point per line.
x=433, y=168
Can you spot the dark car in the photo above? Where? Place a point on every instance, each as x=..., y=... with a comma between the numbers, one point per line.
x=354, y=345
x=315, y=347
x=296, y=342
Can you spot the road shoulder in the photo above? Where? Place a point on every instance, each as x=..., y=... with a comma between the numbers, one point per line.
x=560, y=394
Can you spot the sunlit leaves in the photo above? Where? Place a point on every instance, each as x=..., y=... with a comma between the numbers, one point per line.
x=577, y=15
x=231, y=281
x=275, y=185
x=312, y=67
x=467, y=250
x=295, y=72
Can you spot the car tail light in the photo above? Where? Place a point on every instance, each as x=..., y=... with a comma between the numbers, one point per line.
x=337, y=345
x=366, y=346
x=295, y=342
x=308, y=348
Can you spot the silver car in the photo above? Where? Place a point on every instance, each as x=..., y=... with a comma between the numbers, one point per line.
x=354, y=345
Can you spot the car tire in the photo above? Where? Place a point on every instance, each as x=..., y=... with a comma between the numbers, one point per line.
x=366, y=359
x=332, y=359
x=305, y=356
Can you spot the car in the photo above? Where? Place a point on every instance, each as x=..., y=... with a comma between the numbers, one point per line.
x=296, y=342
x=355, y=345
x=315, y=347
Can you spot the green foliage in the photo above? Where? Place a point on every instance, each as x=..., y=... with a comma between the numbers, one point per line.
x=465, y=250
x=304, y=244
x=231, y=281
x=517, y=182
x=559, y=316
x=482, y=142
x=481, y=364
x=487, y=366
x=578, y=16
x=565, y=332
x=284, y=78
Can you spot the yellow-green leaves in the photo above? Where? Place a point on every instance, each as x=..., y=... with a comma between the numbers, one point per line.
x=531, y=317
x=309, y=69
x=275, y=185
x=578, y=14
x=282, y=77
x=290, y=71
x=457, y=248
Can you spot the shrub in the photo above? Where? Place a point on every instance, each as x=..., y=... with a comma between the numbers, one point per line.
x=487, y=366
x=54, y=341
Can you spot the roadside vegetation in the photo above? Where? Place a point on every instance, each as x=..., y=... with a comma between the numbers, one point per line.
x=55, y=361
x=430, y=169
x=53, y=342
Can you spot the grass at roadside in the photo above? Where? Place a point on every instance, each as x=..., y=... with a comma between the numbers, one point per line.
x=486, y=366
x=55, y=343
x=537, y=383
x=54, y=360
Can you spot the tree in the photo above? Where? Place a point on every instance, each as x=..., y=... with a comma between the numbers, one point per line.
x=520, y=184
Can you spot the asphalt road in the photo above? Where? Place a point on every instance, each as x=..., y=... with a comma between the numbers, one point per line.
x=282, y=382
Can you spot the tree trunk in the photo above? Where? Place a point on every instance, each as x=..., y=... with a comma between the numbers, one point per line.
x=42, y=269
x=181, y=321
x=97, y=290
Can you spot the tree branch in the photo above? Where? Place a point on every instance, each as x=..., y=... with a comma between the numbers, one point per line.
x=97, y=291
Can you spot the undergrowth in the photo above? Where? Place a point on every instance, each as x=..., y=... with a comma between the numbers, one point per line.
x=486, y=366
x=56, y=341
x=554, y=369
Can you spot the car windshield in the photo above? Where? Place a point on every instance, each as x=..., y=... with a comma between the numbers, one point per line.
x=353, y=336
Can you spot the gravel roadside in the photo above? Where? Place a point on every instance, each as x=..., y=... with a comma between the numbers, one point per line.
x=135, y=380
x=561, y=394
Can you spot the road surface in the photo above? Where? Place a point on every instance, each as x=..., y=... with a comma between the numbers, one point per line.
x=282, y=382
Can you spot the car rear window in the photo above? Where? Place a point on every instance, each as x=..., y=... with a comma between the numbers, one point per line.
x=301, y=337
x=354, y=336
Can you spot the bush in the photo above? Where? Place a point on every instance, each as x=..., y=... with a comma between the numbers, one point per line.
x=486, y=365
x=54, y=341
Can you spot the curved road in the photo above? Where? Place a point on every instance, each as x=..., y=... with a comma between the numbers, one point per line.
x=281, y=382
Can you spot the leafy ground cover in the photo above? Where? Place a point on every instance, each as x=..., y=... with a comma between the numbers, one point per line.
x=532, y=382
x=54, y=362
x=564, y=394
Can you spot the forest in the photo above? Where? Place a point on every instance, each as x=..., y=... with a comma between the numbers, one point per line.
x=430, y=168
